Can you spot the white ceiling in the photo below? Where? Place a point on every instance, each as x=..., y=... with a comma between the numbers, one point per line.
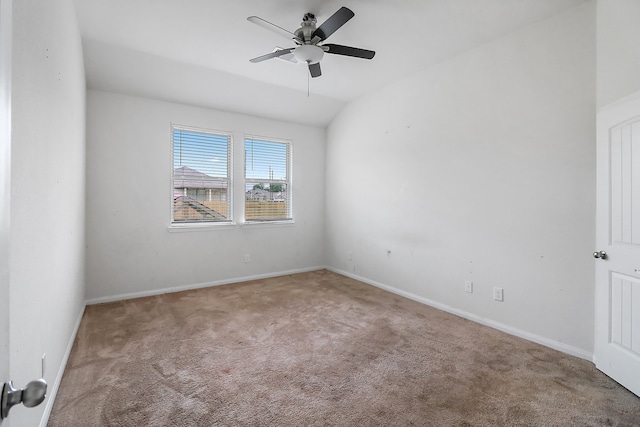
x=197, y=51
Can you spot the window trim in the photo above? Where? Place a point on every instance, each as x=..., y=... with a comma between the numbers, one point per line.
x=275, y=222
x=202, y=225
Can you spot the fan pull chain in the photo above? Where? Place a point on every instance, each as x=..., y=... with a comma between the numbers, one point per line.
x=308, y=85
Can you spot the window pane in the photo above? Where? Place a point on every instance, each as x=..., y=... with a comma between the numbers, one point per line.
x=266, y=202
x=267, y=186
x=265, y=160
x=200, y=176
x=206, y=153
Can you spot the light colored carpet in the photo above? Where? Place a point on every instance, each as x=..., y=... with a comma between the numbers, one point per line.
x=317, y=349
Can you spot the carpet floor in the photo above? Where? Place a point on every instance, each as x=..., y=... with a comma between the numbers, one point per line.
x=318, y=349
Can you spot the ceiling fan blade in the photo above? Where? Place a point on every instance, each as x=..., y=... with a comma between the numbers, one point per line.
x=339, y=49
x=272, y=55
x=273, y=27
x=332, y=24
x=314, y=70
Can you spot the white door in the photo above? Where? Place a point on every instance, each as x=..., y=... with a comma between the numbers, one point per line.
x=617, y=328
x=5, y=162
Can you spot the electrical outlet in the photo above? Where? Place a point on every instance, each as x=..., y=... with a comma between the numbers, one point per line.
x=468, y=286
x=247, y=257
x=498, y=294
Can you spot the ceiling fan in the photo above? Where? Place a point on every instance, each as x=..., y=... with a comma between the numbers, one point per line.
x=308, y=39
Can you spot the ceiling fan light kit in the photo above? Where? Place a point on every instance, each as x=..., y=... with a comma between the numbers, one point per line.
x=308, y=53
x=308, y=37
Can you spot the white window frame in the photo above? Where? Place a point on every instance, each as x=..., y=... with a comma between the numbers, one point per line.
x=199, y=225
x=288, y=181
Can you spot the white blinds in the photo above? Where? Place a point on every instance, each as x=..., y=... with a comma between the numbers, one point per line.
x=267, y=180
x=201, y=176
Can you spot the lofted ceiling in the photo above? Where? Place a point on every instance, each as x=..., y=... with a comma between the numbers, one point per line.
x=197, y=51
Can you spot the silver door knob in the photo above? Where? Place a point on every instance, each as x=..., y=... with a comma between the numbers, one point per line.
x=32, y=395
x=601, y=255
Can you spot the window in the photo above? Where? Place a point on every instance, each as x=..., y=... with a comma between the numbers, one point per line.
x=201, y=176
x=267, y=175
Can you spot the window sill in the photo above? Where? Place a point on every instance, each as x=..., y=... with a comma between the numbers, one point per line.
x=263, y=224
x=181, y=228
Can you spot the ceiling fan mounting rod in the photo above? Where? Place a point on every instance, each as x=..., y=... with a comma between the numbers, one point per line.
x=307, y=28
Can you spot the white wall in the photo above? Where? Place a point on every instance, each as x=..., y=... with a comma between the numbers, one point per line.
x=618, y=51
x=482, y=169
x=6, y=19
x=47, y=191
x=130, y=249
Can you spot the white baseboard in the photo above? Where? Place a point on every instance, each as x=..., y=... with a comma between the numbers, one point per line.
x=54, y=389
x=132, y=295
x=556, y=345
